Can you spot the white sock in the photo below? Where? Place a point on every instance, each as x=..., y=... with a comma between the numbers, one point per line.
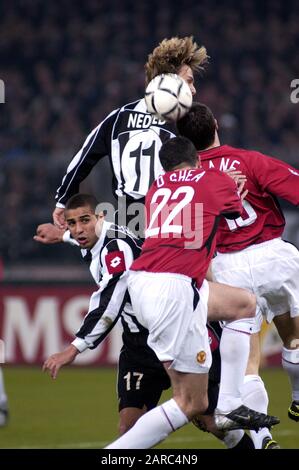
x=3, y=396
x=232, y=438
x=254, y=395
x=234, y=350
x=290, y=363
x=152, y=428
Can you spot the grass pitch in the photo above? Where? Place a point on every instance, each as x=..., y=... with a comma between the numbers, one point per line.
x=79, y=410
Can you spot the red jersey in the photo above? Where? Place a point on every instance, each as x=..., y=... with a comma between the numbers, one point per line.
x=183, y=208
x=261, y=218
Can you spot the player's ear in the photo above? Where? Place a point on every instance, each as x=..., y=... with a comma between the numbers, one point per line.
x=100, y=215
x=99, y=225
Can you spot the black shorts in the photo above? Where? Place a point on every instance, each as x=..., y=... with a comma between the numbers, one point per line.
x=141, y=380
x=142, y=377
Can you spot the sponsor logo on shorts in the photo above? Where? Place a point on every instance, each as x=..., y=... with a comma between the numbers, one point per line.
x=201, y=357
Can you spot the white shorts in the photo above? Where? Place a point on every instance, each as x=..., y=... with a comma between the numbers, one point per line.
x=270, y=270
x=164, y=304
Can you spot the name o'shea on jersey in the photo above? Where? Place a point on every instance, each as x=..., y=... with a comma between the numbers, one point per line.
x=183, y=209
x=181, y=176
x=173, y=213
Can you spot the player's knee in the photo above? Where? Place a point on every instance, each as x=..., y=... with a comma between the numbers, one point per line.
x=123, y=427
x=248, y=306
x=128, y=417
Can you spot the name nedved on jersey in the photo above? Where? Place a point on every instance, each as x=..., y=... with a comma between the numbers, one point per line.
x=143, y=121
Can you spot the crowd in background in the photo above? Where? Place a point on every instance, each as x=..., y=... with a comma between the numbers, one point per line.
x=67, y=64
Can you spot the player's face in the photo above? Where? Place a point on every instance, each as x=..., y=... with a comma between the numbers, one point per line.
x=81, y=222
x=186, y=74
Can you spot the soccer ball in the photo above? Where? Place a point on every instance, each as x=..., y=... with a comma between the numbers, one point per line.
x=168, y=97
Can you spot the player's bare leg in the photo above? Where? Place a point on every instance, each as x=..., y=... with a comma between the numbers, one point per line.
x=189, y=398
x=228, y=303
x=128, y=417
x=288, y=329
x=189, y=391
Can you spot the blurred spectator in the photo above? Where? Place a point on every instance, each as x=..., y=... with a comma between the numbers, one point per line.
x=67, y=64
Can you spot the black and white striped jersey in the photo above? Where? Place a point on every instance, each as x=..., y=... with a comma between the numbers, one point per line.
x=109, y=261
x=132, y=138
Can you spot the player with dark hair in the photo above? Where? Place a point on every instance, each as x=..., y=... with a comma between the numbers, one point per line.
x=137, y=363
x=131, y=137
x=252, y=255
x=171, y=297
x=109, y=251
x=82, y=200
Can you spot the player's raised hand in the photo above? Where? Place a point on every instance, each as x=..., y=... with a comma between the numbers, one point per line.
x=236, y=175
x=240, y=181
x=242, y=192
x=48, y=234
x=58, y=218
x=56, y=361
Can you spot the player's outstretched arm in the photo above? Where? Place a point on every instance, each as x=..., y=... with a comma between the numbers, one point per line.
x=56, y=361
x=48, y=234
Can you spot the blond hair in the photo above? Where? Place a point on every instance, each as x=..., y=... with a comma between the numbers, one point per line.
x=171, y=54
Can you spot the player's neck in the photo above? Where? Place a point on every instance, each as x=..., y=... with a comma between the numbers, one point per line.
x=216, y=142
x=184, y=166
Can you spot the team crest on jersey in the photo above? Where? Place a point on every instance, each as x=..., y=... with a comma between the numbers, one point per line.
x=201, y=357
x=115, y=262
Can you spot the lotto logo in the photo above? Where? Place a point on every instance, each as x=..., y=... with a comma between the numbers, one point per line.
x=115, y=262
